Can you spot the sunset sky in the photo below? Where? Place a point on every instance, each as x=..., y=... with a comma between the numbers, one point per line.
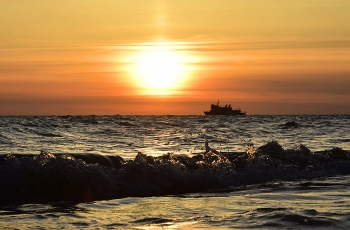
x=174, y=56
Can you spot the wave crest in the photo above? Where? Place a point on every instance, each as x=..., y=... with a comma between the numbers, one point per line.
x=86, y=177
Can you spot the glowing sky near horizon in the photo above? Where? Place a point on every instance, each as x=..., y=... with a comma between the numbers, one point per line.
x=172, y=57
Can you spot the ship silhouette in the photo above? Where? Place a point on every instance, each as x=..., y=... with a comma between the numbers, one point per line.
x=217, y=109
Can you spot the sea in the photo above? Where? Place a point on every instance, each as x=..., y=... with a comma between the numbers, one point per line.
x=175, y=172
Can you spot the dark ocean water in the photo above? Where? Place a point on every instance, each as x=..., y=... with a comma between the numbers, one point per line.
x=155, y=172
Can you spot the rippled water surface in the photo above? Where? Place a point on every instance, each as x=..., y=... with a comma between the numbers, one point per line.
x=306, y=202
x=322, y=203
x=156, y=135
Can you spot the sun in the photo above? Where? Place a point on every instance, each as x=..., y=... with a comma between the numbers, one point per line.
x=159, y=68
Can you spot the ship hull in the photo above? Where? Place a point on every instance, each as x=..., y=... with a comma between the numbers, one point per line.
x=229, y=114
x=224, y=110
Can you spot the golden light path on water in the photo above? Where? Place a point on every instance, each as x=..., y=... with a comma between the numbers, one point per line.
x=159, y=68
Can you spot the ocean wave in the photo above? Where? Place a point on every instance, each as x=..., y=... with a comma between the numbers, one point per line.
x=4, y=139
x=46, y=134
x=47, y=177
x=125, y=123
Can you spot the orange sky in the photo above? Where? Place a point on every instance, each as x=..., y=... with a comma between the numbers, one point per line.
x=172, y=57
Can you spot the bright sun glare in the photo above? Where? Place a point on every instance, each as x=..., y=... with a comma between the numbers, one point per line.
x=159, y=68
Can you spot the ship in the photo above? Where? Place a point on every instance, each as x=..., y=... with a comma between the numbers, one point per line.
x=217, y=109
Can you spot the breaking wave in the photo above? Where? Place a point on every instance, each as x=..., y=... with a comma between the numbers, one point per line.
x=48, y=177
